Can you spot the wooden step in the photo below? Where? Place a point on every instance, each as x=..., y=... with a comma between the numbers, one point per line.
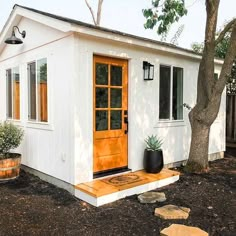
x=102, y=191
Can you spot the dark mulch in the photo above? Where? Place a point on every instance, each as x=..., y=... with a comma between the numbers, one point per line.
x=30, y=206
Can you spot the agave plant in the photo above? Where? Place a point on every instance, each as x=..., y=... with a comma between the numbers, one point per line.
x=153, y=143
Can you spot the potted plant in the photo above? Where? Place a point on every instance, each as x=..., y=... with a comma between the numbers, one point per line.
x=153, y=156
x=10, y=138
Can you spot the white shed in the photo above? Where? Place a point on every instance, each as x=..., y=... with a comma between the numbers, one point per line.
x=73, y=86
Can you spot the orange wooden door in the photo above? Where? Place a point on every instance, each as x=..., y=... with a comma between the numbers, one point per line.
x=110, y=114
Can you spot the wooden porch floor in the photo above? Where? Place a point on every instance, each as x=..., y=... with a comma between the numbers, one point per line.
x=124, y=185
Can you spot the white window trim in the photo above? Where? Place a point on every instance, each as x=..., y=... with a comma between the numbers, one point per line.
x=170, y=122
x=12, y=91
x=31, y=123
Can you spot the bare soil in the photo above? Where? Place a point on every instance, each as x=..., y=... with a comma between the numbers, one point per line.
x=30, y=206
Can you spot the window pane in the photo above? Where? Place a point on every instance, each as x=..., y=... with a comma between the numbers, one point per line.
x=16, y=93
x=42, y=90
x=101, y=74
x=32, y=91
x=101, y=120
x=164, y=96
x=9, y=94
x=101, y=97
x=116, y=98
x=116, y=75
x=177, y=103
x=116, y=120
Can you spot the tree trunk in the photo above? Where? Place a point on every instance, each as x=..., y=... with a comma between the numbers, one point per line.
x=198, y=156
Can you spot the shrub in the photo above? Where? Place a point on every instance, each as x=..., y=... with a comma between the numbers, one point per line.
x=10, y=138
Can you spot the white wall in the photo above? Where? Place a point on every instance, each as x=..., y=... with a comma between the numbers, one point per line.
x=143, y=99
x=46, y=147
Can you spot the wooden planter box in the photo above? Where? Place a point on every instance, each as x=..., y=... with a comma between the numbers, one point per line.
x=10, y=167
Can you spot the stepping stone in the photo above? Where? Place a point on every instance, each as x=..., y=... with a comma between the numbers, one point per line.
x=172, y=212
x=152, y=197
x=182, y=230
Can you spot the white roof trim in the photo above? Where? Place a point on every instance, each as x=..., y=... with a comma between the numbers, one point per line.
x=18, y=12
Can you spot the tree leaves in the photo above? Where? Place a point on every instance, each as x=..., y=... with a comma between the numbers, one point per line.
x=163, y=14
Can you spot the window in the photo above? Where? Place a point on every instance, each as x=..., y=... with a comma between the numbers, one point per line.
x=37, y=91
x=171, y=93
x=13, y=93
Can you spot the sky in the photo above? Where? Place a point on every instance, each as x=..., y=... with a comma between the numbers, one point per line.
x=126, y=16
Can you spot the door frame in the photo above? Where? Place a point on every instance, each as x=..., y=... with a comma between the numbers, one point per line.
x=110, y=59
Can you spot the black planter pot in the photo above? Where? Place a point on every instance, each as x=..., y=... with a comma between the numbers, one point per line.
x=153, y=161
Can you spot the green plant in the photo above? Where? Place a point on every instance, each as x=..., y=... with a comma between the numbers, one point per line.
x=10, y=138
x=153, y=143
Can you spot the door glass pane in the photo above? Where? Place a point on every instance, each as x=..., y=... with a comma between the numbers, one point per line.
x=101, y=74
x=116, y=98
x=101, y=97
x=116, y=120
x=32, y=91
x=177, y=104
x=164, y=96
x=101, y=120
x=116, y=75
x=9, y=94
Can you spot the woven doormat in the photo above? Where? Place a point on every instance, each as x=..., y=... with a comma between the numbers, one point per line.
x=122, y=180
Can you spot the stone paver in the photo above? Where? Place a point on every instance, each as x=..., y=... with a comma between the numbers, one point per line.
x=172, y=212
x=152, y=197
x=182, y=230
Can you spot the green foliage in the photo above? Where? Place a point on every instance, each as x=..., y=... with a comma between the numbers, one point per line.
x=220, y=52
x=10, y=138
x=163, y=14
x=197, y=47
x=153, y=143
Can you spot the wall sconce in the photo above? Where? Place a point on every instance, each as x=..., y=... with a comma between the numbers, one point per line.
x=13, y=39
x=148, y=71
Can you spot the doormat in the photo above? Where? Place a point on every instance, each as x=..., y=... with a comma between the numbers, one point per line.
x=122, y=180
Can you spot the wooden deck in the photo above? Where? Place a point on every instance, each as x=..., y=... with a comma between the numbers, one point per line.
x=116, y=187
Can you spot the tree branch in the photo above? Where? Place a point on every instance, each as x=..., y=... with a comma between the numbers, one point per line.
x=228, y=62
x=226, y=29
x=91, y=11
x=99, y=11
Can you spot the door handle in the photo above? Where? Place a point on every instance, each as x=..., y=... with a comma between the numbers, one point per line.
x=127, y=123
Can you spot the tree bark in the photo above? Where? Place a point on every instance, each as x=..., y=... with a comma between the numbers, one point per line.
x=99, y=11
x=97, y=20
x=206, y=109
x=209, y=90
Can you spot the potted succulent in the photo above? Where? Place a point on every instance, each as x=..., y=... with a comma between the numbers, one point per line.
x=153, y=156
x=10, y=138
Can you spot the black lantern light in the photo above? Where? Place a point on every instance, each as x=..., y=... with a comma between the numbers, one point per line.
x=13, y=39
x=148, y=71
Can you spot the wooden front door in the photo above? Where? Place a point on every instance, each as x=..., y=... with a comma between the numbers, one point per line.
x=110, y=114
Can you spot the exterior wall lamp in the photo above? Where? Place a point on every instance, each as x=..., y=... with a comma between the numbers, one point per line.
x=148, y=71
x=13, y=39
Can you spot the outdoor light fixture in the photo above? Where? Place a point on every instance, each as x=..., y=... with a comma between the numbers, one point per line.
x=13, y=39
x=148, y=71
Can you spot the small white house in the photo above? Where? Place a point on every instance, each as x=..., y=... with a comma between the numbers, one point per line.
x=81, y=95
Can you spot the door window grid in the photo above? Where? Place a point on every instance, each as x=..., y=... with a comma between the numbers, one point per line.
x=113, y=119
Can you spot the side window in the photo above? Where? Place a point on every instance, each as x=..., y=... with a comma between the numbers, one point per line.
x=13, y=93
x=37, y=91
x=177, y=98
x=164, y=94
x=171, y=93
